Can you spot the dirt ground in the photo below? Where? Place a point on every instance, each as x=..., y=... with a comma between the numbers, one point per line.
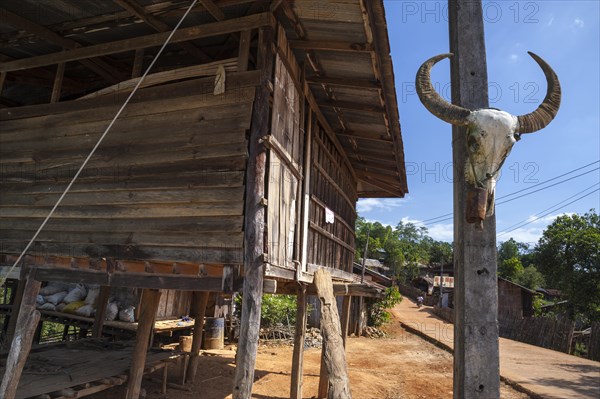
x=400, y=366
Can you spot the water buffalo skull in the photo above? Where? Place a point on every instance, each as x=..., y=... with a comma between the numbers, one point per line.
x=491, y=133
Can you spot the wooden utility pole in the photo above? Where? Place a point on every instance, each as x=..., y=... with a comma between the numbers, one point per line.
x=254, y=223
x=476, y=358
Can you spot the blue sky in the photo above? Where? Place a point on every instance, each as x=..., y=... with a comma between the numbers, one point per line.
x=567, y=35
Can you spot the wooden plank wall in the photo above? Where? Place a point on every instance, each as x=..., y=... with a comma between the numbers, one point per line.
x=173, y=304
x=285, y=160
x=333, y=188
x=166, y=184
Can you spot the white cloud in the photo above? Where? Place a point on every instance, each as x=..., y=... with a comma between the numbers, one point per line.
x=442, y=232
x=531, y=232
x=550, y=21
x=578, y=22
x=383, y=204
x=513, y=57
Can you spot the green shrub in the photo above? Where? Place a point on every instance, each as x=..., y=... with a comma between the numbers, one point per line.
x=377, y=310
x=275, y=309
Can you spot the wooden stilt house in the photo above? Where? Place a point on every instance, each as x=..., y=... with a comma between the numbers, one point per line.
x=237, y=162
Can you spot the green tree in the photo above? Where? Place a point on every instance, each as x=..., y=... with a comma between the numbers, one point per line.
x=511, y=249
x=531, y=278
x=510, y=269
x=568, y=255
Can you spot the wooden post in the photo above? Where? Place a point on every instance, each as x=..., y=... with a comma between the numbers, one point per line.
x=26, y=324
x=201, y=299
x=306, y=191
x=16, y=306
x=323, y=375
x=476, y=354
x=138, y=63
x=244, y=51
x=298, y=356
x=101, y=303
x=58, y=80
x=335, y=356
x=145, y=325
x=346, y=305
x=254, y=223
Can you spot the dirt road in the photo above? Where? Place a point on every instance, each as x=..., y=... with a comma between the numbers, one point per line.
x=400, y=366
x=549, y=374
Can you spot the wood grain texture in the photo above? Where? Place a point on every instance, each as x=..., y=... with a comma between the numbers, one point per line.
x=334, y=353
x=255, y=220
x=476, y=353
x=138, y=361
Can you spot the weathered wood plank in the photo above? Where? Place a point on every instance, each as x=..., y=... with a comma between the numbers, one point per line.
x=335, y=356
x=254, y=224
x=138, y=361
x=101, y=303
x=193, y=254
x=298, y=355
x=201, y=299
x=119, y=46
x=210, y=103
x=126, y=197
x=173, y=90
x=27, y=322
x=175, y=225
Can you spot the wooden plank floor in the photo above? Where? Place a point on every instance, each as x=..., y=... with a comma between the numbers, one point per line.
x=62, y=366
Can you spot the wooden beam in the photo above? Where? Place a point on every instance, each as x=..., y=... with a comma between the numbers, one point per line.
x=201, y=300
x=27, y=322
x=156, y=39
x=298, y=356
x=101, y=304
x=363, y=135
x=129, y=279
x=138, y=63
x=160, y=26
x=2, y=80
x=335, y=356
x=16, y=305
x=212, y=8
x=352, y=106
x=145, y=325
x=56, y=89
x=329, y=45
x=102, y=68
x=244, y=51
x=254, y=223
x=345, y=82
x=323, y=388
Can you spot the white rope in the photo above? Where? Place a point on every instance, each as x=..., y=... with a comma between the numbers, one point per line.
x=83, y=165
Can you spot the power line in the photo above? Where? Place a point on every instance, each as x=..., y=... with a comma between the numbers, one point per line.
x=543, y=188
x=546, y=214
x=448, y=216
x=565, y=200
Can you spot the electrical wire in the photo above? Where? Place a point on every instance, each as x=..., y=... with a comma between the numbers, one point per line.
x=110, y=125
x=448, y=216
x=546, y=214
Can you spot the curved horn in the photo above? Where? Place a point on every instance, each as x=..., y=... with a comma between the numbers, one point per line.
x=548, y=109
x=433, y=101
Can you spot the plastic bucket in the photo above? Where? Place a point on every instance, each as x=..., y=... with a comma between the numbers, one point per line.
x=214, y=332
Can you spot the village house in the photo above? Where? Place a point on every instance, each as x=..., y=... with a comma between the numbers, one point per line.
x=235, y=165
